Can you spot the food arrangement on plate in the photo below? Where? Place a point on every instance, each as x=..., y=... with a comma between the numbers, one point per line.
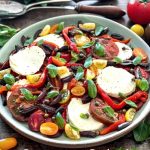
x=79, y=80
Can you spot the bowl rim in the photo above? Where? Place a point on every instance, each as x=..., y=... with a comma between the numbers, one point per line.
x=88, y=142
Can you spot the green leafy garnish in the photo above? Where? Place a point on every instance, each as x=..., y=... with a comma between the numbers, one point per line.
x=40, y=42
x=60, y=120
x=109, y=111
x=121, y=95
x=80, y=73
x=52, y=70
x=117, y=60
x=84, y=116
x=8, y=87
x=59, y=58
x=99, y=49
x=130, y=103
x=88, y=44
x=9, y=79
x=52, y=94
x=92, y=90
x=6, y=33
x=27, y=94
x=143, y=84
x=99, y=30
x=88, y=62
x=137, y=60
x=60, y=27
x=74, y=56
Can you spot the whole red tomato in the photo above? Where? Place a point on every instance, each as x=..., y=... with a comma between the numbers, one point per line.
x=139, y=11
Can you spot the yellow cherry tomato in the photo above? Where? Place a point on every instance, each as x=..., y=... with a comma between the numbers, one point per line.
x=33, y=78
x=49, y=128
x=8, y=143
x=78, y=90
x=81, y=40
x=66, y=96
x=138, y=29
x=71, y=132
x=129, y=115
x=45, y=31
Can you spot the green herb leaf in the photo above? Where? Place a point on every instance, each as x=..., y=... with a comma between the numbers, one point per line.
x=99, y=50
x=58, y=56
x=88, y=62
x=9, y=79
x=60, y=120
x=88, y=44
x=84, y=116
x=74, y=56
x=28, y=41
x=130, y=103
x=40, y=42
x=73, y=127
x=117, y=60
x=27, y=94
x=143, y=84
x=60, y=27
x=142, y=132
x=109, y=111
x=121, y=95
x=137, y=60
x=52, y=70
x=99, y=30
x=52, y=94
x=92, y=90
x=80, y=73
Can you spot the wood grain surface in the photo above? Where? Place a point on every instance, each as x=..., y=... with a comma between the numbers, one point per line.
x=127, y=142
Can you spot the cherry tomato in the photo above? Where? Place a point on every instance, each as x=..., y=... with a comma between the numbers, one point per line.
x=78, y=90
x=139, y=11
x=140, y=52
x=49, y=128
x=138, y=29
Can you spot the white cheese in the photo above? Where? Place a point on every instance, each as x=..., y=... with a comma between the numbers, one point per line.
x=27, y=61
x=53, y=38
x=75, y=108
x=125, y=52
x=116, y=80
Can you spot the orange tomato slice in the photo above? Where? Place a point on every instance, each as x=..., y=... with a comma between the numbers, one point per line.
x=49, y=128
x=78, y=90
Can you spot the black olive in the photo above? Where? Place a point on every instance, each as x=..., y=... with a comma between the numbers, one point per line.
x=46, y=108
x=56, y=100
x=63, y=49
x=17, y=48
x=86, y=99
x=46, y=101
x=27, y=111
x=42, y=95
x=2, y=82
x=36, y=34
x=147, y=33
x=4, y=100
x=60, y=109
x=67, y=79
x=105, y=30
x=123, y=125
x=4, y=65
x=90, y=134
x=117, y=36
x=23, y=39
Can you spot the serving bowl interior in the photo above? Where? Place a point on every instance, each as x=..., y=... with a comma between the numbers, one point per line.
x=63, y=141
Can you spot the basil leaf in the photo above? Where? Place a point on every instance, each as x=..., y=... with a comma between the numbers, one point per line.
x=60, y=27
x=60, y=120
x=99, y=50
x=117, y=60
x=40, y=42
x=84, y=116
x=88, y=62
x=74, y=56
x=52, y=70
x=99, y=30
x=80, y=73
x=28, y=41
x=137, y=60
x=88, y=44
x=27, y=94
x=142, y=132
x=9, y=79
x=52, y=94
x=143, y=84
x=92, y=90
x=109, y=111
x=130, y=103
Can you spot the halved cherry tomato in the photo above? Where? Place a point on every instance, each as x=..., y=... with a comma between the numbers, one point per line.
x=53, y=28
x=49, y=128
x=8, y=143
x=78, y=90
x=140, y=52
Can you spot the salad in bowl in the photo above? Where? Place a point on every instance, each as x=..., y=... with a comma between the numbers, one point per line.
x=79, y=80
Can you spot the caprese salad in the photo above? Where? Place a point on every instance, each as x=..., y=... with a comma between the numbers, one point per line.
x=81, y=80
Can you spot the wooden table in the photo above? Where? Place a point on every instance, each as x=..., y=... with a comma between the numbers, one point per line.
x=127, y=142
